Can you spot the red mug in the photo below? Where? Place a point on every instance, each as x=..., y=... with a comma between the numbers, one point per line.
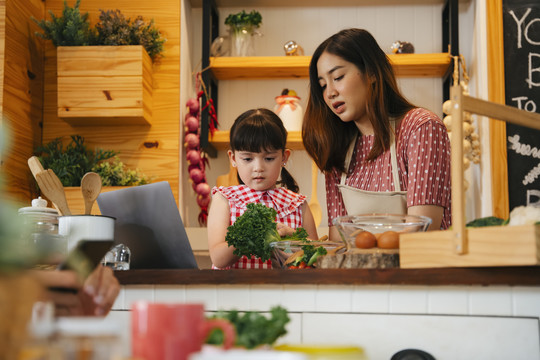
x=172, y=331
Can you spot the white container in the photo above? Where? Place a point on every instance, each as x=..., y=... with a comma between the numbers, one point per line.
x=90, y=338
x=86, y=227
x=290, y=112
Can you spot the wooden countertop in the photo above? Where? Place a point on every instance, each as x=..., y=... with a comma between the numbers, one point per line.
x=522, y=276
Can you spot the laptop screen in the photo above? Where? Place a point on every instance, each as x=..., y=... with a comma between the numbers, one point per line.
x=149, y=223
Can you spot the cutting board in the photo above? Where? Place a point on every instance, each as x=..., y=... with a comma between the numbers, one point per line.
x=361, y=259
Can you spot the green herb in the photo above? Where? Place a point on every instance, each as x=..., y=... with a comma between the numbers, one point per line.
x=252, y=328
x=114, y=29
x=487, y=221
x=255, y=229
x=115, y=173
x=70, y=29
x=73, y=29
x=72, y=162
x=253, y=19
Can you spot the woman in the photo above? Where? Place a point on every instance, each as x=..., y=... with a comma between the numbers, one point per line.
x=357, y=124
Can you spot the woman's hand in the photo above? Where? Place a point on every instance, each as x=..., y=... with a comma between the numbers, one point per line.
x=100, y=291
x=71, y=297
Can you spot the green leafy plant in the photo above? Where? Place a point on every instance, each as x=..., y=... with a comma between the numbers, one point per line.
x=252, y=328
x=253, y=19
x=115, y=173
x=72, y=162
x=70, y=29
x=113, y=28
x=255, y=229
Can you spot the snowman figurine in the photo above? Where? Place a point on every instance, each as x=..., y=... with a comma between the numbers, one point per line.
x=289, y=110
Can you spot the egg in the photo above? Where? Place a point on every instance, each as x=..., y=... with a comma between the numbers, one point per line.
x=365, y=240
x=388, y=240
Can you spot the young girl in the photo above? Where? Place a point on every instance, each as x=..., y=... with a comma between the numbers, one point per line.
x=257, y=142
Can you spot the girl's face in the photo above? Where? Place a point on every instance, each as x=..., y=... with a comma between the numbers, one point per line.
x=259, y=170
x=344, y=88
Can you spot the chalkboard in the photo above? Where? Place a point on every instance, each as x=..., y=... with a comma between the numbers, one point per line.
x=521, y=24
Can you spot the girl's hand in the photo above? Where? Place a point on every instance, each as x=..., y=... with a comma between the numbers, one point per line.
x=284, y=230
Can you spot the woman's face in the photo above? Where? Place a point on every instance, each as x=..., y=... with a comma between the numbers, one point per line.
x=259, y=170
x=344, y=88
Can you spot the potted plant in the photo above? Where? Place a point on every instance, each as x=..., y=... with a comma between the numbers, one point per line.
x=105, y=71
x=71, y=162
x=242, y=27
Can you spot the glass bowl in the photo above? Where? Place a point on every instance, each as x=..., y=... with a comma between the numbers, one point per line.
x=282, y=250
x=351, y=225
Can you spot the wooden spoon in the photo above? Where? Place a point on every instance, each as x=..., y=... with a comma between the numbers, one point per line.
x=35, y=165
x=90, y=188
x=314, y=205
x=52, y=188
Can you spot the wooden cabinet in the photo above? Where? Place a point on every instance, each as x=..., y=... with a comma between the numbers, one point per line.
x=283, y=67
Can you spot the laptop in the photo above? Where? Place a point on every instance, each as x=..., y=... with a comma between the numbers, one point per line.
x=148, y=222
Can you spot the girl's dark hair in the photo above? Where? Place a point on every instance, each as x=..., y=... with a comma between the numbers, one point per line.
x=327, y=138
x=260, y=130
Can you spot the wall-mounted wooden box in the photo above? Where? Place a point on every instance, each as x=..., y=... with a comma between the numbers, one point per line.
x=104, y=85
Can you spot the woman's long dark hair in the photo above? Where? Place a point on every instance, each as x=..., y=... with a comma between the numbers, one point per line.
x=327, y=138
x=260, y=130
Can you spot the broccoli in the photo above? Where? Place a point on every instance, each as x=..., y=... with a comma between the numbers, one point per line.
x=255, y=229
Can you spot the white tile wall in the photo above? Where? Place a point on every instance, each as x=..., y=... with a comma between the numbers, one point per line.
x=371, y=299
x=525, y=301
x=491, y=300
x=264, y=297
x=450, y=322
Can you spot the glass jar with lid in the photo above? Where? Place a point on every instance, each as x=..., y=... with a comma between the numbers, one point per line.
x=40, y=232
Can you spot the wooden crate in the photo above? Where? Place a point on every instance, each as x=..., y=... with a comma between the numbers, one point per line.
x=461, y=246
x=104, y=85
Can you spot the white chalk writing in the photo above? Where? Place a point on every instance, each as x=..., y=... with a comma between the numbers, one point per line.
x=523, y=149
x=532, y=175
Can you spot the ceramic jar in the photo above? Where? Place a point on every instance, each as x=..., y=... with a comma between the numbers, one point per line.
x=289, y=110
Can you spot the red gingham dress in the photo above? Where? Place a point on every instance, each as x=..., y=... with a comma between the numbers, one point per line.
x=285, y=202
x=423, y=156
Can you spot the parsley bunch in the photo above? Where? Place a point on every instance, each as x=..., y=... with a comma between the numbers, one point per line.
x=255, y=229
x=252, y=328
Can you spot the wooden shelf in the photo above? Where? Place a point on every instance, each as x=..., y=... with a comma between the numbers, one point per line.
x=310, y=3
x=280, y=67
x=220, y=140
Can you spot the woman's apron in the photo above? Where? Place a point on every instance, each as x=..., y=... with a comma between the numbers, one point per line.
x=374, y=202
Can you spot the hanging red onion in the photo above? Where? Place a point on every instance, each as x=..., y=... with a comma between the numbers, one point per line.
x=192, y=124
x=203, y=201
x=203, y=189
x=197, y=175
x=193, y=157
x=193, y=105
x=192, y=141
